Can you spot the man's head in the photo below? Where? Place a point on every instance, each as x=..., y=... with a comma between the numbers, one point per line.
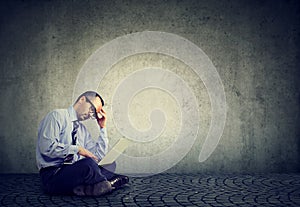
x=88, y=105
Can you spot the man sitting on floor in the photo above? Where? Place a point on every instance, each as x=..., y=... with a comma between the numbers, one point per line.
x=67, y=155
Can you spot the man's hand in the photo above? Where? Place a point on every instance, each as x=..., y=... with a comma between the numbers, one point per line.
x=101, y=121
x=84, y=152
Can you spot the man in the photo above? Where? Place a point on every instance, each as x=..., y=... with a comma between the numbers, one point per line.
x=67, y=155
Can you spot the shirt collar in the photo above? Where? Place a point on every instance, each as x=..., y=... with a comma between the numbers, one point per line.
x=72, y=114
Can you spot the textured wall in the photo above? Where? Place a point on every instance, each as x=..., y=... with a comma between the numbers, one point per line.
x=254, y=46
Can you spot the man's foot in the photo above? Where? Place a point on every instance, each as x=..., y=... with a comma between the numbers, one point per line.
x=97, y=189
x=118, y=181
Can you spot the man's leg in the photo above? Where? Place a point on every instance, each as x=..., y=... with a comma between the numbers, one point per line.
x=83, y=172
x=108, y=170
x=116, y=180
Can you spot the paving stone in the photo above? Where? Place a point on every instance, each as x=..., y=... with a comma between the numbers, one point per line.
x=165, y=190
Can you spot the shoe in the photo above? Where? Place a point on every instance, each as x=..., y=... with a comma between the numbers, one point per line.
x=118, y=181
x=97, y=189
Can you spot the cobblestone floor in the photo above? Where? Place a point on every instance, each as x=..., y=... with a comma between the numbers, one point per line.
x=165, y=190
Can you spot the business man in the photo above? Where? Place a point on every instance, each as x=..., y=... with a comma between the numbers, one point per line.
x=67, y=155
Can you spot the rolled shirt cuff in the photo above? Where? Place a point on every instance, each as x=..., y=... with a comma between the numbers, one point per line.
x=73, y=149
x=103, y=130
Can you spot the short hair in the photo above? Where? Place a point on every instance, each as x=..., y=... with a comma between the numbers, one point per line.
x=90, y=94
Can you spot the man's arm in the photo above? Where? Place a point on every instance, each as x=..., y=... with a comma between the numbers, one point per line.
x=49, y=141
x=86, y=153
x=99, y=147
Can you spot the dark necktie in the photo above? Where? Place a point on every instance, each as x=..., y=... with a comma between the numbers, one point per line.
x=74, y=132
x=70, y=157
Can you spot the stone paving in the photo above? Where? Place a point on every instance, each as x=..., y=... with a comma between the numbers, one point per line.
x=165, y=190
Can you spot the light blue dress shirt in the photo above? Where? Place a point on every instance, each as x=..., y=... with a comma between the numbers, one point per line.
x=55, y=140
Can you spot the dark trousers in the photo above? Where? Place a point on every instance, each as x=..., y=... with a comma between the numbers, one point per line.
x=63, y=179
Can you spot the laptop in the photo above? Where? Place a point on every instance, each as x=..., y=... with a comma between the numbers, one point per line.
x=115, y=152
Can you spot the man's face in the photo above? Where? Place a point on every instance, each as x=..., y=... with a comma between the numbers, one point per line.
x=88, y=108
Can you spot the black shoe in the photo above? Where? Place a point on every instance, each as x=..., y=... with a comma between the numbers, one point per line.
x=118, y=181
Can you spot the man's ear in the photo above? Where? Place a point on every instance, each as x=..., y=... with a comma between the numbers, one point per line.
x=81, y=100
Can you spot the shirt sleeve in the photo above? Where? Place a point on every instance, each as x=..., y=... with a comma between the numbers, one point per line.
x=49, y=141
x=100, y=146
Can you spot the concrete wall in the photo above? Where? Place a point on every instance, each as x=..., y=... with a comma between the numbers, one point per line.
x=254, y=46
